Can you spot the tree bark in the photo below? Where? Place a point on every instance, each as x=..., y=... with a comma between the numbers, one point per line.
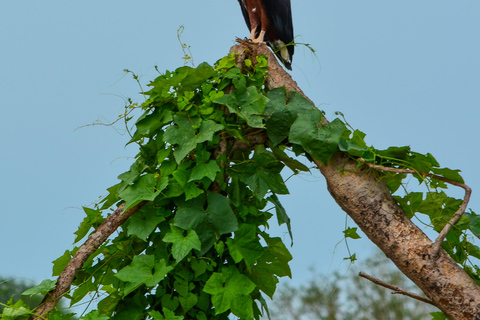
x=370, y=204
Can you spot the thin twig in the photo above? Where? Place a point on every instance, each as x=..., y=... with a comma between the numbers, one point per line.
x=94, y=241
x=456, y=216
x=395, y=289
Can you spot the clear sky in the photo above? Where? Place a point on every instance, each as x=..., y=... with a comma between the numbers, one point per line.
x=404, y=72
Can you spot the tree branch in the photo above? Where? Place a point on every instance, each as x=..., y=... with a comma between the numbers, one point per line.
x=370, y=204
x=94, y=241
x=395, y=289
x=437, y=245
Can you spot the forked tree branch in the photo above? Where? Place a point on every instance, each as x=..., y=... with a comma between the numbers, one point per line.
x=370, y=204
x=437, y=245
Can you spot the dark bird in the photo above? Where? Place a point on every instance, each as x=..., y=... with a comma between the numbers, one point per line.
x=270, y=21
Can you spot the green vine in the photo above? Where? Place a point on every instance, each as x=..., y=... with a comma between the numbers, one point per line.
x=212, y=144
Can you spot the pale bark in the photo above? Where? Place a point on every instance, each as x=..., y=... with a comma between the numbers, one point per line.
x=369, y=203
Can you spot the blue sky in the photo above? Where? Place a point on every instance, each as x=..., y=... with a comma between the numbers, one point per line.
x=405, y=73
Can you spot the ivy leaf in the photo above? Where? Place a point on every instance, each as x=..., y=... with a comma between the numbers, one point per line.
x=449, y=174
x=144, y=222
x=438, y=316
x=474, y=222
x=399, y=153
x=351, y=233
x=293, y=164
x=209, y=224
x=192, y=191
x=169, y=315
x=182, y=245
x=262, y=173
x=145, y=188
x=208, y=170
x=246, y=245
x=60, y=263
x=321, y=142
x=148, y=124
x=184, y=135
x=282, y=114
x=195, y=77
x=188, y=302
x=17, y=311
x=272, y=264
x=248, y=104
x=143, y=270
x=355, y=145
x=44, y=287
x=93, y=218
x=94, y=315
x=282, y=216
x=231, y=290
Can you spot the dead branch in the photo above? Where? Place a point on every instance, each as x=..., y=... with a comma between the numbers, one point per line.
x=395, y=289
x=94, y=241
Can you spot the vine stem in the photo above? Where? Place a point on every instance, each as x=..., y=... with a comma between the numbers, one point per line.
x=437, y=245
x=94, y=241
x=395, y=289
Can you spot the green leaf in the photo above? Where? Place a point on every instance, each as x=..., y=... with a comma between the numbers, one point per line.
x=231, y=290
x=93, y=218
x=60, y=263
x=262, y=173
x=208, y=170
x=246, y=245
x=146, y=188
x=282, y=216
x=169, y=315
x=282, y=114
x=194, y=78
x=209, y=224
x=293, y=164
x=182, y=245
x=15, y=312
x=192, y=191
x=356, y=145
x=321, y=142
x=188, y=302
x=148, y=124
x=44, y=287
x=143, y=270
x=399, y=153
x=474, y=222
x=438, y=316
x=184, y=134
x=248, y=104
x=351, y=233
x=95, y=315
x=144, y=222
x=449, y=174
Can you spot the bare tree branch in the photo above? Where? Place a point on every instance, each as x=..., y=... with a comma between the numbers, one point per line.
x=395, y=289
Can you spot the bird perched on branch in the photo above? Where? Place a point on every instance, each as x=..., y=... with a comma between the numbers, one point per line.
x=270, y=21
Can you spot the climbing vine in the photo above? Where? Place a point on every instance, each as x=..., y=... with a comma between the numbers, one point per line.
x=213, y=142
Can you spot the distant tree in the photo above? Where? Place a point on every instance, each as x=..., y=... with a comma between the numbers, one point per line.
x=344, y=297
x=12, y=288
